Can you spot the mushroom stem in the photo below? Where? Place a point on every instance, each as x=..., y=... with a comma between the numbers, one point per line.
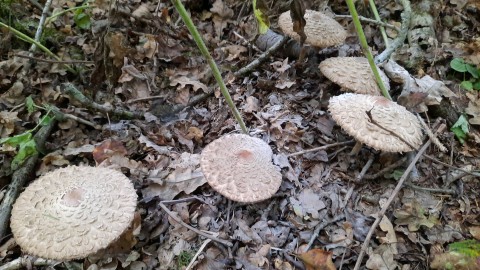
x=356, y=148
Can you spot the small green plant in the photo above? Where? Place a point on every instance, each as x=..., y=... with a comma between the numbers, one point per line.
x=472, y=83
x=460, y=128
x=183, y=259
x=25, y=142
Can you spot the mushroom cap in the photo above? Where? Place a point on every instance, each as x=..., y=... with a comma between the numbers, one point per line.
x=350, y=112
x=240, y=168
x=321, y=30
x=73, y=212
x=354, y=74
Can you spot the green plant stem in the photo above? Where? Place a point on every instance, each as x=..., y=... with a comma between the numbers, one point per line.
x=366, y=50
x=373, y=7
x=30, y=40
x=216, y=72
x=55, y=15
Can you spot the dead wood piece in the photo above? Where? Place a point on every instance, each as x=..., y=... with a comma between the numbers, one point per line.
x=402, y=35
x=20, y=178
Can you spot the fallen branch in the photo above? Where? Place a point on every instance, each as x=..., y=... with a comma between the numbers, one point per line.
x=20, y=178
x=262, y=58
x=24, y=262
x=320, y=227
x=402, y=35
x=367, y=20
x=70, y=90
x=390, y=200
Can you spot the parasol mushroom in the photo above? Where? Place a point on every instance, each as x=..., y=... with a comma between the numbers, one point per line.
x=73, y=212
x=377, y=122
x=240, y=168
x=353, y=74
x=321, y=30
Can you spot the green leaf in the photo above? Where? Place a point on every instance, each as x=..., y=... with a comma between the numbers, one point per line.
x=460, y=128
x=26, y=150
x=458, y=64
x=30, y=105
x=472, y=70
x=260, y=10
x=476, y=86
x=17, y=139
x=82, y=19
x=46, y=120
x=469, y=248
x=467, y=85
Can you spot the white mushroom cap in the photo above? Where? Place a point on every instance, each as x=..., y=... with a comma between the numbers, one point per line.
x=321, y=30
x=240, y=168
x=354, y=74
x=350, y=112
x=73, y=212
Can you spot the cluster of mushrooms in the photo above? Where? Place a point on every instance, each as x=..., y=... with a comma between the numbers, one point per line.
x=74, y=212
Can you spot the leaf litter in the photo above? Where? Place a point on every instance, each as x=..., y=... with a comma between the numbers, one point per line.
x=148, y=59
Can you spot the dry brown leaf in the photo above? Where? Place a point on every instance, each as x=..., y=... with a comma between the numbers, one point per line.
x=317, y=259
x=107, y=149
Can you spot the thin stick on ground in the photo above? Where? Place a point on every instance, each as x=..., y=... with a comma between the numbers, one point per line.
x=205, y=243
x=206, y=235
x=390, y=200
x=262, y=58
x=320, y=227
x=319, y=148
x=23, y=262
x=368, y=20
x=402, y=35
x=38, y=33
x=54, y=61
x=74, y=93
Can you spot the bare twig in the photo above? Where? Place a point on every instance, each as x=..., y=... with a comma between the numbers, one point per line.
x=430, y=134
x=434, y=190
x=209, y=236
x=53, y=61
x=368, y=20
x=386, y=169
x=319, y=148
x=205, y=243
x=20, y=178
x=73, y=92
x=23, y=262
x=262, y=58
x=390, y=200
x=476, y=174
x=320, y=227
x=402, y=35
x=365, y=168
x=38, y=33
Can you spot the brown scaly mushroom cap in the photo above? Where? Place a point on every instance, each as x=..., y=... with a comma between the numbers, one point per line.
x=321, y=30
x=354, y=74
x=73, y=212
x=349, y=111
x=240, y=168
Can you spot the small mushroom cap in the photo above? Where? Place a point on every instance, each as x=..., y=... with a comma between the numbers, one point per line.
x=240, y=168
x=354, y=74
x=321, y=30
x=73, y=212
x=350, y=112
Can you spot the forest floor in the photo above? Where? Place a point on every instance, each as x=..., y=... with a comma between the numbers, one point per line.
x=138, y=57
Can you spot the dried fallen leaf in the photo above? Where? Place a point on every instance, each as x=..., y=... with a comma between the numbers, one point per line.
x=107, y=149
x=317, y=259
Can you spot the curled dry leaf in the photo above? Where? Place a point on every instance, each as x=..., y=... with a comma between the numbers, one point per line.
x=317, y=259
